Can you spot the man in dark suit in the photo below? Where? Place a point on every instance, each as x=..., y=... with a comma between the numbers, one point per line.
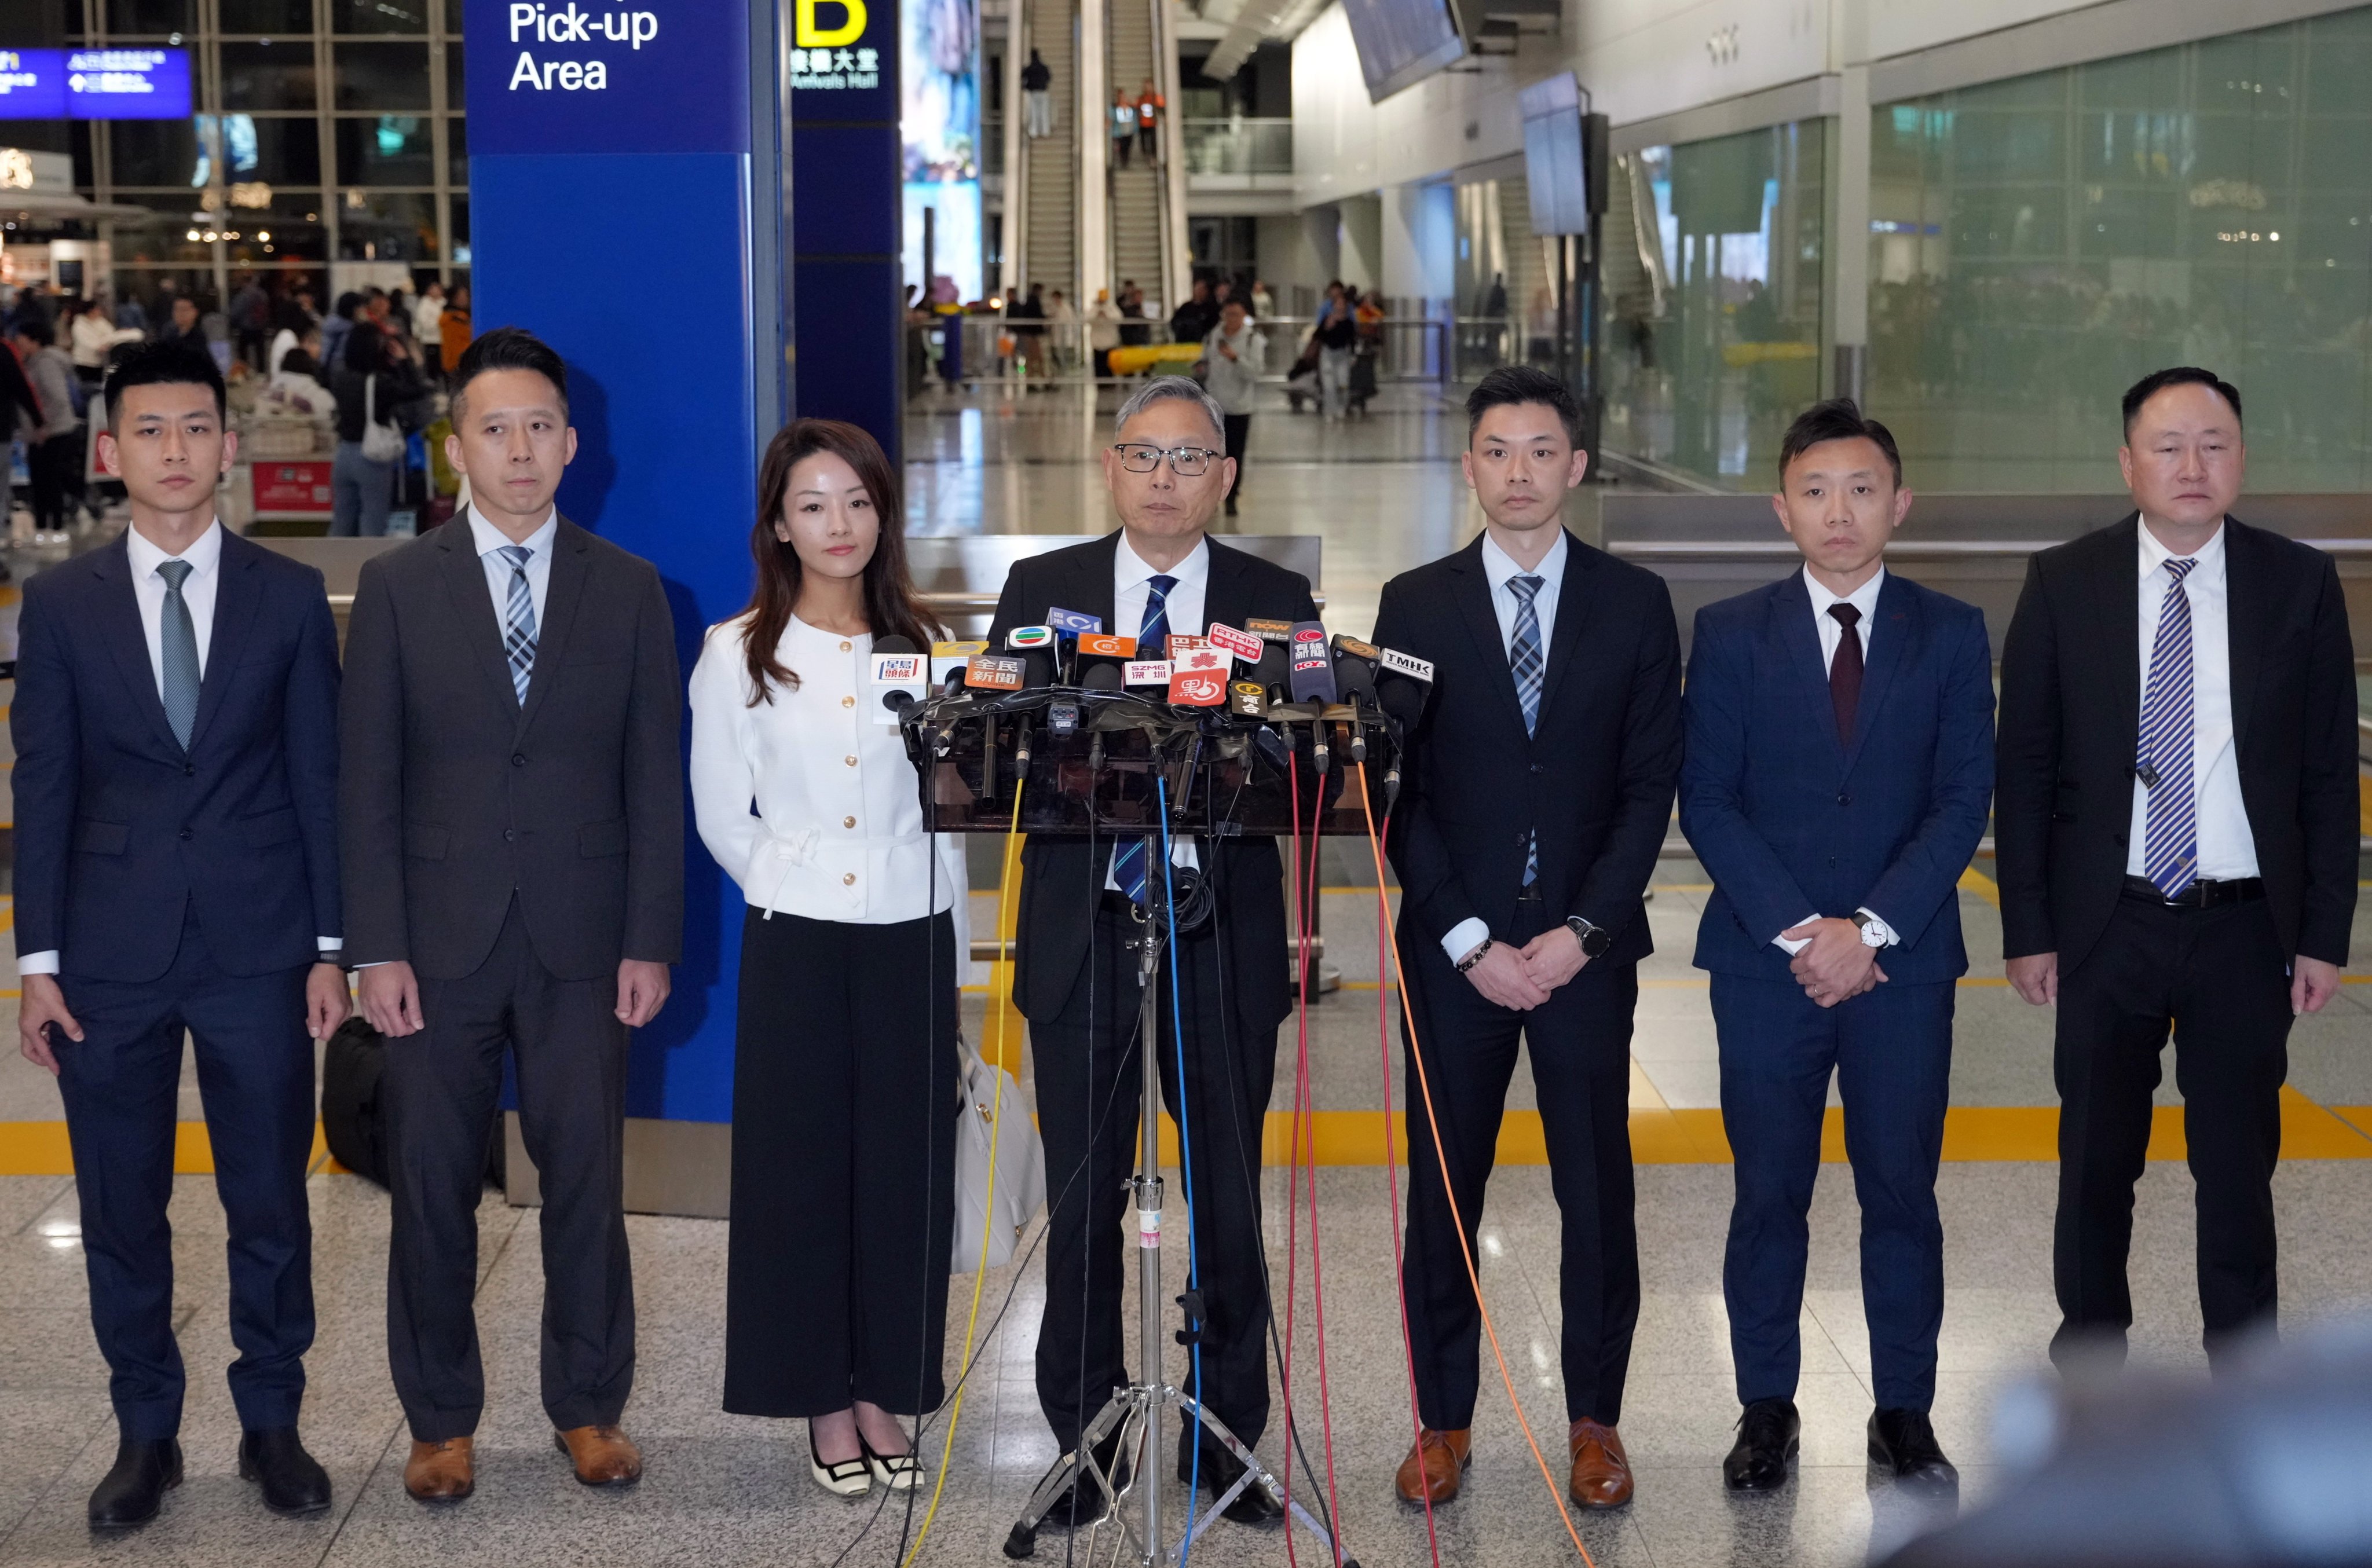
x=176, y=872
x=1839, y=740
x=1158, y=574
x=511, y=807
x=1540, y=780
x=2178, y=823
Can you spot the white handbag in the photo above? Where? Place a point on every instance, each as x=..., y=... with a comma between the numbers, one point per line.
x=381, y=443
x=992, y=1122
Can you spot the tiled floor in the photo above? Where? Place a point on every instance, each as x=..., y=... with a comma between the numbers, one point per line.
x=726, y=1491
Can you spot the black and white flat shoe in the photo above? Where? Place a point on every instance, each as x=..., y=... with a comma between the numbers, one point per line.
x=849, y=1478
x=899, y=1472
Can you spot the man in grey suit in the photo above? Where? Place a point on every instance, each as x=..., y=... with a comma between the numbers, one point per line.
x=511, y=818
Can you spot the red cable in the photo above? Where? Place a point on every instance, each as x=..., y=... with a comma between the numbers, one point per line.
x=1316, y=1277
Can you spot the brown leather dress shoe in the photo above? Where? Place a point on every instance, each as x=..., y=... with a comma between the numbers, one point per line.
x=1435, y=1466
x=441, y=1472
x=1601, y=1472
x=604, y=1456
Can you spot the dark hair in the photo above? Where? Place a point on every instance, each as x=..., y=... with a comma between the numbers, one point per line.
x=1839, y=419
x=1521, y=384
x=34, y=327
x=2158, y=381
x=161, y=363
x=298, y=362
x=509, y=348
x=365, y=350
x=891, y=608
x=348, y=303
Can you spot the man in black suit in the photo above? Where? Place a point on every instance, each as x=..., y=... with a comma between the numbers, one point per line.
x=2177, y=817
x=511, y=808
x=1158, y=574
x=176, y=872
x=1540, y=783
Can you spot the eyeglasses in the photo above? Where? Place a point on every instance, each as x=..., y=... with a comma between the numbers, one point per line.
x=1187, y=462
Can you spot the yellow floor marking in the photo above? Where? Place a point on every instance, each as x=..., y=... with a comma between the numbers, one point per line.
x=1975, y=881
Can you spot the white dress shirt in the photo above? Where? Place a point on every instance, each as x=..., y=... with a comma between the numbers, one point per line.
x=2227, y=846
x=1499, y=568
x=486, y=539
x=1833, y=636
x=838, y=831
x=198, y=591
x=1132, y=585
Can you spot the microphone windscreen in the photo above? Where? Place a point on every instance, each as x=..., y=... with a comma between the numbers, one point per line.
x=1313, y=669
x=1273, y=667
x=1101, y=676
x=1355, y=677
x=1037, y=670
x=894, y=643
x=1403, y=699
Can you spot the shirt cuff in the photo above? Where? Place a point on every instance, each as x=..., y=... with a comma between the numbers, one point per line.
x=1886, y=935
x=1465, y=937
x=330, y=947
x=1800, y=943
x=44, y=962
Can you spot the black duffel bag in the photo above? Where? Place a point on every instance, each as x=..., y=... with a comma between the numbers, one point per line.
x=354, y=1115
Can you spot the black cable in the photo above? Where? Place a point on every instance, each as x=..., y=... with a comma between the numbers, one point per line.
x=930, y=1167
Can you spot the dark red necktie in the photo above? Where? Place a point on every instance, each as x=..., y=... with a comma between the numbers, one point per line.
x=1845, y=671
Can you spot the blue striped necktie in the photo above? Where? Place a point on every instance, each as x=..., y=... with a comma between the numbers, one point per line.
x=518, y=619
x=1152, y=634
x=1524, y=658
x=2163, y=757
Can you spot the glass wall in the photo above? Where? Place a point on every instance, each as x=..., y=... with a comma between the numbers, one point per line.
x=327, y=142
x=1713, y=291
x=2039, y=244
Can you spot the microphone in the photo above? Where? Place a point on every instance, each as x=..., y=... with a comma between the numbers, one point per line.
x=901, y=674
x=1358, y=683
x=1273, y=671
x=1402, y=701
x=1101, y=677
x=1313, y=672
x=1247, y=699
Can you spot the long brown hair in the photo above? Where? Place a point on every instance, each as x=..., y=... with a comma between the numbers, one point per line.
x=892, y=607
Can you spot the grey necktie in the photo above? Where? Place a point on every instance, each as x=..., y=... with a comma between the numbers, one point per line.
x=179, y=637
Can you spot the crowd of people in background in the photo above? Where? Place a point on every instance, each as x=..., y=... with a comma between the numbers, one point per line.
x=374, y=358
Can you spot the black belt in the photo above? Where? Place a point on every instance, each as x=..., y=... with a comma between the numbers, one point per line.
x=2200, y=895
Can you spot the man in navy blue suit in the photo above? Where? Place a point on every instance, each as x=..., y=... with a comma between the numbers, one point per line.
x=175, y=861
x=1840, y=762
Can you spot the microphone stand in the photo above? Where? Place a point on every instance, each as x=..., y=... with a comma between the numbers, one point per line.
x=1136, y=1414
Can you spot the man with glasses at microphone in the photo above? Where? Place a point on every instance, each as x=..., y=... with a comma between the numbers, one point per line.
x=1539, y=782
x=1075, y=979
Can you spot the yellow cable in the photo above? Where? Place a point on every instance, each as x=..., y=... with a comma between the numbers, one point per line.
x=988, y=1219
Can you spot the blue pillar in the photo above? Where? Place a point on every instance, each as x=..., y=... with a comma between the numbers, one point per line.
x=627, y=185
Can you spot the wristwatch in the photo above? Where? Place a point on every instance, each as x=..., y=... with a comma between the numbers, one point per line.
x=1872, y=930
x=1594, y=939
x=1474, y=957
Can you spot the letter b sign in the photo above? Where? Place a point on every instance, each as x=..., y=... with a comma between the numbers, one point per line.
x=811, y=36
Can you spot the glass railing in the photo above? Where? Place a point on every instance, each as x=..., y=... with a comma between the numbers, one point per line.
x=1239, y=147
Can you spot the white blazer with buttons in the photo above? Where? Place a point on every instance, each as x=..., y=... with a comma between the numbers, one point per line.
x=838, y=830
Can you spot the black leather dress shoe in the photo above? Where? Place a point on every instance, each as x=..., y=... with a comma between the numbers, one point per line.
x=1767, y=1433
x=1904, y=1442
x=293, y=1482
x=135, y=1488
x=1252, y=1505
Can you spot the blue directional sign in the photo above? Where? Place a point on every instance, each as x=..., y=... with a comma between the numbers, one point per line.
x=127, y=84
x=32, y=84
x=615, y=77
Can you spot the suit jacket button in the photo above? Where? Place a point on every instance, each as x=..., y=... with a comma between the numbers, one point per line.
x=185, y=832
x=1537, y=769
x=848, y=880
x=1844, y=799
x=189, y=769
x=519, y=760
x=508, y=835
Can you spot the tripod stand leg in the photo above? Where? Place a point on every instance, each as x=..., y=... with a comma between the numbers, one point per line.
x=1255, y=1473
x=1079, y=1466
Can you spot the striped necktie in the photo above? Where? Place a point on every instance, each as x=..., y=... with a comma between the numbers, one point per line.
x=518, y=619
x=2163, y=756
x=1524, y=657
x=1152, y=634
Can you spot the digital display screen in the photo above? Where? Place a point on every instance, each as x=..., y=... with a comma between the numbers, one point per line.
x=1401, y=42
x=1556, y=174
x=32, y=84
x=94, y=84
x=939, y=126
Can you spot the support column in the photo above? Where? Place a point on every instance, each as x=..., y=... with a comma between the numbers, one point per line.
x=1095, y=149
x=1845, y=269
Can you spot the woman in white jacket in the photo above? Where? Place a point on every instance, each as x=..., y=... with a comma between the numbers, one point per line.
x=844, y=1077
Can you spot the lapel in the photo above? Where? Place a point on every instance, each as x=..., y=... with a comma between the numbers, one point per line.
x=1087, y=586
x=465, y=581
x=1226, y=595
x=1471, y=587
x=1892, y=631
x=572, y=550
x=1564, y=635
x=237, y=591
x=1799, y=652
x=2247, y=602
x=119, y=626
x=2117, y=594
